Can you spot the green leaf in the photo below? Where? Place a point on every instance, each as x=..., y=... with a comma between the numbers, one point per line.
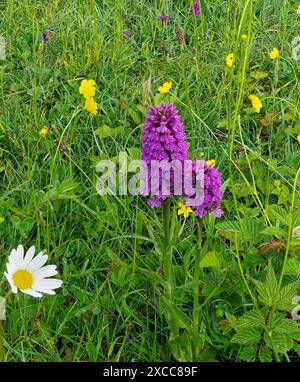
x=259, y=75
x=211, y=259
x=274, y=231
x=293, y=268
x=62, y=191
x=228, y=229
x=268, y=290
x=251, y=229
x=24, y=226
x=296, y=128
x=251, y=319
x=279, y=341
x=180, y=319
x=284, y=194
x=278, y=212
x=181, y=347
x=223, y=124
x=286, y=295
x=289, y=327
x=104, y=131
x=134, y=153
x=265, y=355
x=247, y=336
x=248, y=353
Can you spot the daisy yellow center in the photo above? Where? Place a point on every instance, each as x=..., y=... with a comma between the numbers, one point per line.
x=23, y=279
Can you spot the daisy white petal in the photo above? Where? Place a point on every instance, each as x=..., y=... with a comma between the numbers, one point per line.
x=13, y=287
x=20, y=253
x=32, y=293
x=46, y=284
x=29, y=255
x=13, y=261
x=12, y=255
x=46, y=291
x=47, y=271
x=37, y=262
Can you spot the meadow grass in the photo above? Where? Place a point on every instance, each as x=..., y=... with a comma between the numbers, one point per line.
x=109, y=306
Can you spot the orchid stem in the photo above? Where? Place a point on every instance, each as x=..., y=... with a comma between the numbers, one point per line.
x=196, y=312
x=167, y=250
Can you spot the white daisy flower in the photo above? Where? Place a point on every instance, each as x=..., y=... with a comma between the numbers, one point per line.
x=28, y=274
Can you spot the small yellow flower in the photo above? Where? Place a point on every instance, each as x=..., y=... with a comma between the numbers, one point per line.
x=277, y=183
x=43, y=132
x=244, y=37
x=91, y=106
x=87, y=88
x=211, y=162
x=256, y=102
x=165, y=88
x=230, y=60
x=298, y=138
x=298, y=9
x=183, y=210
x=274, y=54
x=2, y=220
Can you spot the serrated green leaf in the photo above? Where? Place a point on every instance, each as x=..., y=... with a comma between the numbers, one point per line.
x=211, y=259
x=265, y=355
x=278, y=212
x=268, y=290
x=247, y=336
x=248, y=353
x=274, y=231
x=249, y=319
x=293, y=268
x=251, y=229
x=286, y=295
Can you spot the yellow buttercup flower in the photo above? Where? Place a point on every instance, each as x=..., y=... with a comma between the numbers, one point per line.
x=244, y=37
x=2, y=220
x=183, y=210
x=211, y=162
x=298, y=138
x=165, y=88
x=43, y=132
x=274, y=54
x=230, y=60
x=91, y=106
x=87, y=88
x=256, y=102
x=298, y=9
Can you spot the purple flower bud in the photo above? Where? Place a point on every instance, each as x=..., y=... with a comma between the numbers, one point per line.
x=196, y=9
x=163, y=18
x=46, y=35
x=125, y=34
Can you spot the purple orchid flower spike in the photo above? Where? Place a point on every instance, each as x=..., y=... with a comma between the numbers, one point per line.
x=163, y=139
x=46, y=35
x=196, y=9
